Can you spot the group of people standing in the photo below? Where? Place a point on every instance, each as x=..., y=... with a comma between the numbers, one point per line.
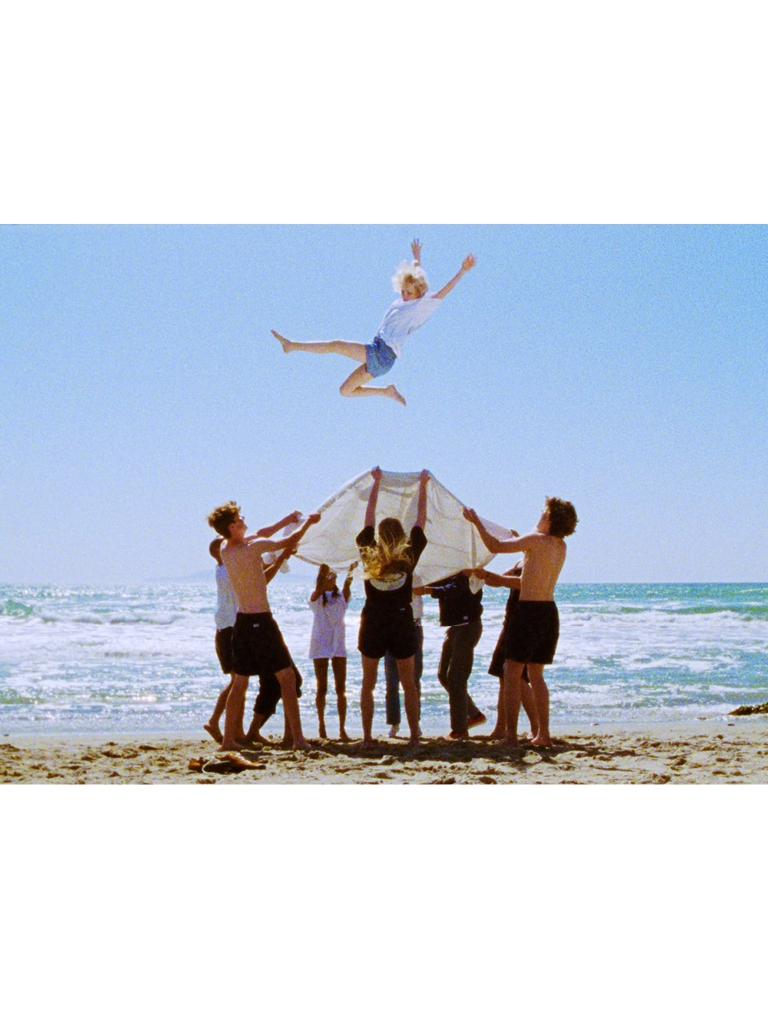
x=253, y=645
x=249, y=642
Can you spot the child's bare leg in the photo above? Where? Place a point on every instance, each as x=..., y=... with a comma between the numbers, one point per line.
x=352, y=349
x=254, y=729
x=212, y=725
x=411, y=694
x=541, y=697
x=370, y=672
x=529, y=705
x=500, y=729
x=287, y=679
x=513, y=672
x=353, y=387
x=233, y=720
x=340, y=682
x=321, y=675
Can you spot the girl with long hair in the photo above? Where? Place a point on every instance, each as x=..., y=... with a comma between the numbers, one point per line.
x=389, y=558
x=328, y=643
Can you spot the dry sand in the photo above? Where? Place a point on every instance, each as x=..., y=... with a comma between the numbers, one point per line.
x=713, y=751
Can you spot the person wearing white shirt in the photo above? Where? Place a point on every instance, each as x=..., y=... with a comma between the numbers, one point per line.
x=404, y=316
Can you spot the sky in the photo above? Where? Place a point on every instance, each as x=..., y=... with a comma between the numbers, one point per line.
x=177, y=186
x=621, y=367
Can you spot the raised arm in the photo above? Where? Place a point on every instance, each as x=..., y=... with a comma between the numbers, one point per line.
x=270, y=571
x=268, y=531
x=346, y=590
x=493, y=579
x=291, y=540
x=466, y=266
x=494, y=545
x=318, y=591
x=416, y=250
x=370, y=512
x=421, y=511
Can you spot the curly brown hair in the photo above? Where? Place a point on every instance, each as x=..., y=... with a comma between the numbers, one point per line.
x=222, y=518
x=562, y=517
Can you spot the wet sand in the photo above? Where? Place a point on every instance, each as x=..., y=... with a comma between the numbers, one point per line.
x=710, y=752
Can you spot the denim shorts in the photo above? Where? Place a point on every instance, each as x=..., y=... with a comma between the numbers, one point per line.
x=379, y=358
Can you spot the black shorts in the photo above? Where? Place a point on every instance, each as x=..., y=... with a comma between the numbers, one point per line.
x=496, y=668
x=258, y=648
x=394, y=634
x=270, y=693
x=224, y=649
x=533, y=632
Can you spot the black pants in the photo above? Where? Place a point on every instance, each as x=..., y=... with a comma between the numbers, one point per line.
x=455, y=668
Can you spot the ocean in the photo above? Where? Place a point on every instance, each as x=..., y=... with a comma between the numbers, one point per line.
x=140, y=659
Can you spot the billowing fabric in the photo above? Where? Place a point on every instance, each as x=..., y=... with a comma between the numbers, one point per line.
x=454, y=544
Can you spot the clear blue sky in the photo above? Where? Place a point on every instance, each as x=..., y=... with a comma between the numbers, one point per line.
x=621, y=367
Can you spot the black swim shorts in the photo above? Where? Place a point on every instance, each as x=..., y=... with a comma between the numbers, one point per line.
x=270, y=693
x=534, y=629
x=394, y=633
x=224, y=649
x=258, y=648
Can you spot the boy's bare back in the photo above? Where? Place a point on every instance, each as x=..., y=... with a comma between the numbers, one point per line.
x=543, y=560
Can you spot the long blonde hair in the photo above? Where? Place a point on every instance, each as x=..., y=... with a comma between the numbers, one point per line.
x=390, y=556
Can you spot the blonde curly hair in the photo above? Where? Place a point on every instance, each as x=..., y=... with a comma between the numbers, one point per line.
x=409, y=273
x=391, y=554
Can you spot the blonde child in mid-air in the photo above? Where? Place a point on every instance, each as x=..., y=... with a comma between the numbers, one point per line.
x=411, y=310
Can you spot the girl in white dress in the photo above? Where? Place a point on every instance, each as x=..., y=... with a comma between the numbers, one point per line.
x=328, y=642
x=411, y=310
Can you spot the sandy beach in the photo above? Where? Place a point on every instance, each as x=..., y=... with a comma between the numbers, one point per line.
x=708, y=752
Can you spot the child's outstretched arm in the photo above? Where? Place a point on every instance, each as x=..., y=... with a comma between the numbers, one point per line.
x=421, y=510
x=370, y=511
x=466, y=266
x=347, y=588
x=494, y=545
x=416, y=250
x=270, y=571
x=291, y=540
x=267, y=531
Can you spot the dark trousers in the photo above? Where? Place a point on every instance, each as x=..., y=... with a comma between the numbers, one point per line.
x=454, y=670
x=392, y=677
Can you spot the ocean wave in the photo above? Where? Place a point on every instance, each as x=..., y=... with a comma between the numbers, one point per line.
x=16, y=609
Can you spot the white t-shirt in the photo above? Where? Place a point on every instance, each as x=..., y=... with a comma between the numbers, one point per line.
x=403, y=317
x=226, y=602
x=328, y=632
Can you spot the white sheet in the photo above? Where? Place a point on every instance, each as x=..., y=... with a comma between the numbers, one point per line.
x=454, y=544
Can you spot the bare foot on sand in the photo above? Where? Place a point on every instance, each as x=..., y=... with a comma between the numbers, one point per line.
x=234, y=745
x=542, y=741
x=458, y=735
x=301, y=745
x=257, y=740
x=213, y=731
x=391, y=391
x=367, y=745
x=480, y=719
x=322, y=734
x=343, y=737
x=287, y=345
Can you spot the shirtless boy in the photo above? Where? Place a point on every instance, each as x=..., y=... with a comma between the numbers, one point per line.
x=534, y=628
x=257, y=645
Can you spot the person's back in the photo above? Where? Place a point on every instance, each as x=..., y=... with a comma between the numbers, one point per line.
x=542, y=564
